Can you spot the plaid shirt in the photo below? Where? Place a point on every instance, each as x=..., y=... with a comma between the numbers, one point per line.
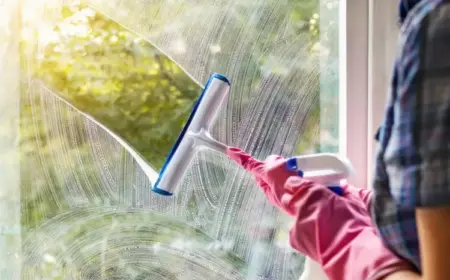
x=413, y=160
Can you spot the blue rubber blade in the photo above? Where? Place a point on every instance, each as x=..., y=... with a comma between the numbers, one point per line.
x=161, y=192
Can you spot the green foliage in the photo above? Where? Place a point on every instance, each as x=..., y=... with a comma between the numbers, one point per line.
x=119, y=79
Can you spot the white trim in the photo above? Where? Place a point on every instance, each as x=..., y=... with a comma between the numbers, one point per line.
x=353, y=72
x=343, y=78
x=383, y=32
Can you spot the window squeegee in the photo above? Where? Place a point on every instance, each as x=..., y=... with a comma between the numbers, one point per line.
x=324, y=168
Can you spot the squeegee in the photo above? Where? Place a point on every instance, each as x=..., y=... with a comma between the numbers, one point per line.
x=194, y=135
x=323, y=168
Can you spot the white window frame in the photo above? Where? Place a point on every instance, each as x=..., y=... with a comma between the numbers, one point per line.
x=383, y=33
x=368, y=35
x=353, y=83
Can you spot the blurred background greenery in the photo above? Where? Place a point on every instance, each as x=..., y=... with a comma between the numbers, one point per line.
x=119, y=79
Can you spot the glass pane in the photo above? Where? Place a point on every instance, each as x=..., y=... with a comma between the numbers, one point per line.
x=103, y=80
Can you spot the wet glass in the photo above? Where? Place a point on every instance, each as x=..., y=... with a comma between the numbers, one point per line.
x=103, y=91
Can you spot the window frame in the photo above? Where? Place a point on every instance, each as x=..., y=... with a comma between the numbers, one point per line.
x=368, y=31
x=383, y=33
x=353, y=86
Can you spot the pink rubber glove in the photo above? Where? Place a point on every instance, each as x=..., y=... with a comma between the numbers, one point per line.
x=365, y=195
x=335, y=231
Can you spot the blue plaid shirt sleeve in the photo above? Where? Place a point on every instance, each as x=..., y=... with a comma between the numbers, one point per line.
x=413, y=160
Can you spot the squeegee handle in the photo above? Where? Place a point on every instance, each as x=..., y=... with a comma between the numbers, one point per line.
x=204, y=139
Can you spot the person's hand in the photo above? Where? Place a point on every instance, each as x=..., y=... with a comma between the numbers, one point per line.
x=335, y=231
x=364, y=195
x=271, y=175
x=273, y=172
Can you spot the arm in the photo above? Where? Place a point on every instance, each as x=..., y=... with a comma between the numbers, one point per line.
x=433, y=189
x=424, y=114
x=434, y=231
x=335, y=231
x=403, y=275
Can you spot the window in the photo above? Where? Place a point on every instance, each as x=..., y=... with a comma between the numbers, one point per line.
x=86, y=210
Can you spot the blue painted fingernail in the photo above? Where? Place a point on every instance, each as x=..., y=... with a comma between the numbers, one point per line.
x=300, y=173
x=337, y=190
x=291, y=164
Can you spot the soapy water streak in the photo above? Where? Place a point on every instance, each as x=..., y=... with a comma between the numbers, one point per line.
x=119, y=248
x=85, y=178
x=90, y=213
